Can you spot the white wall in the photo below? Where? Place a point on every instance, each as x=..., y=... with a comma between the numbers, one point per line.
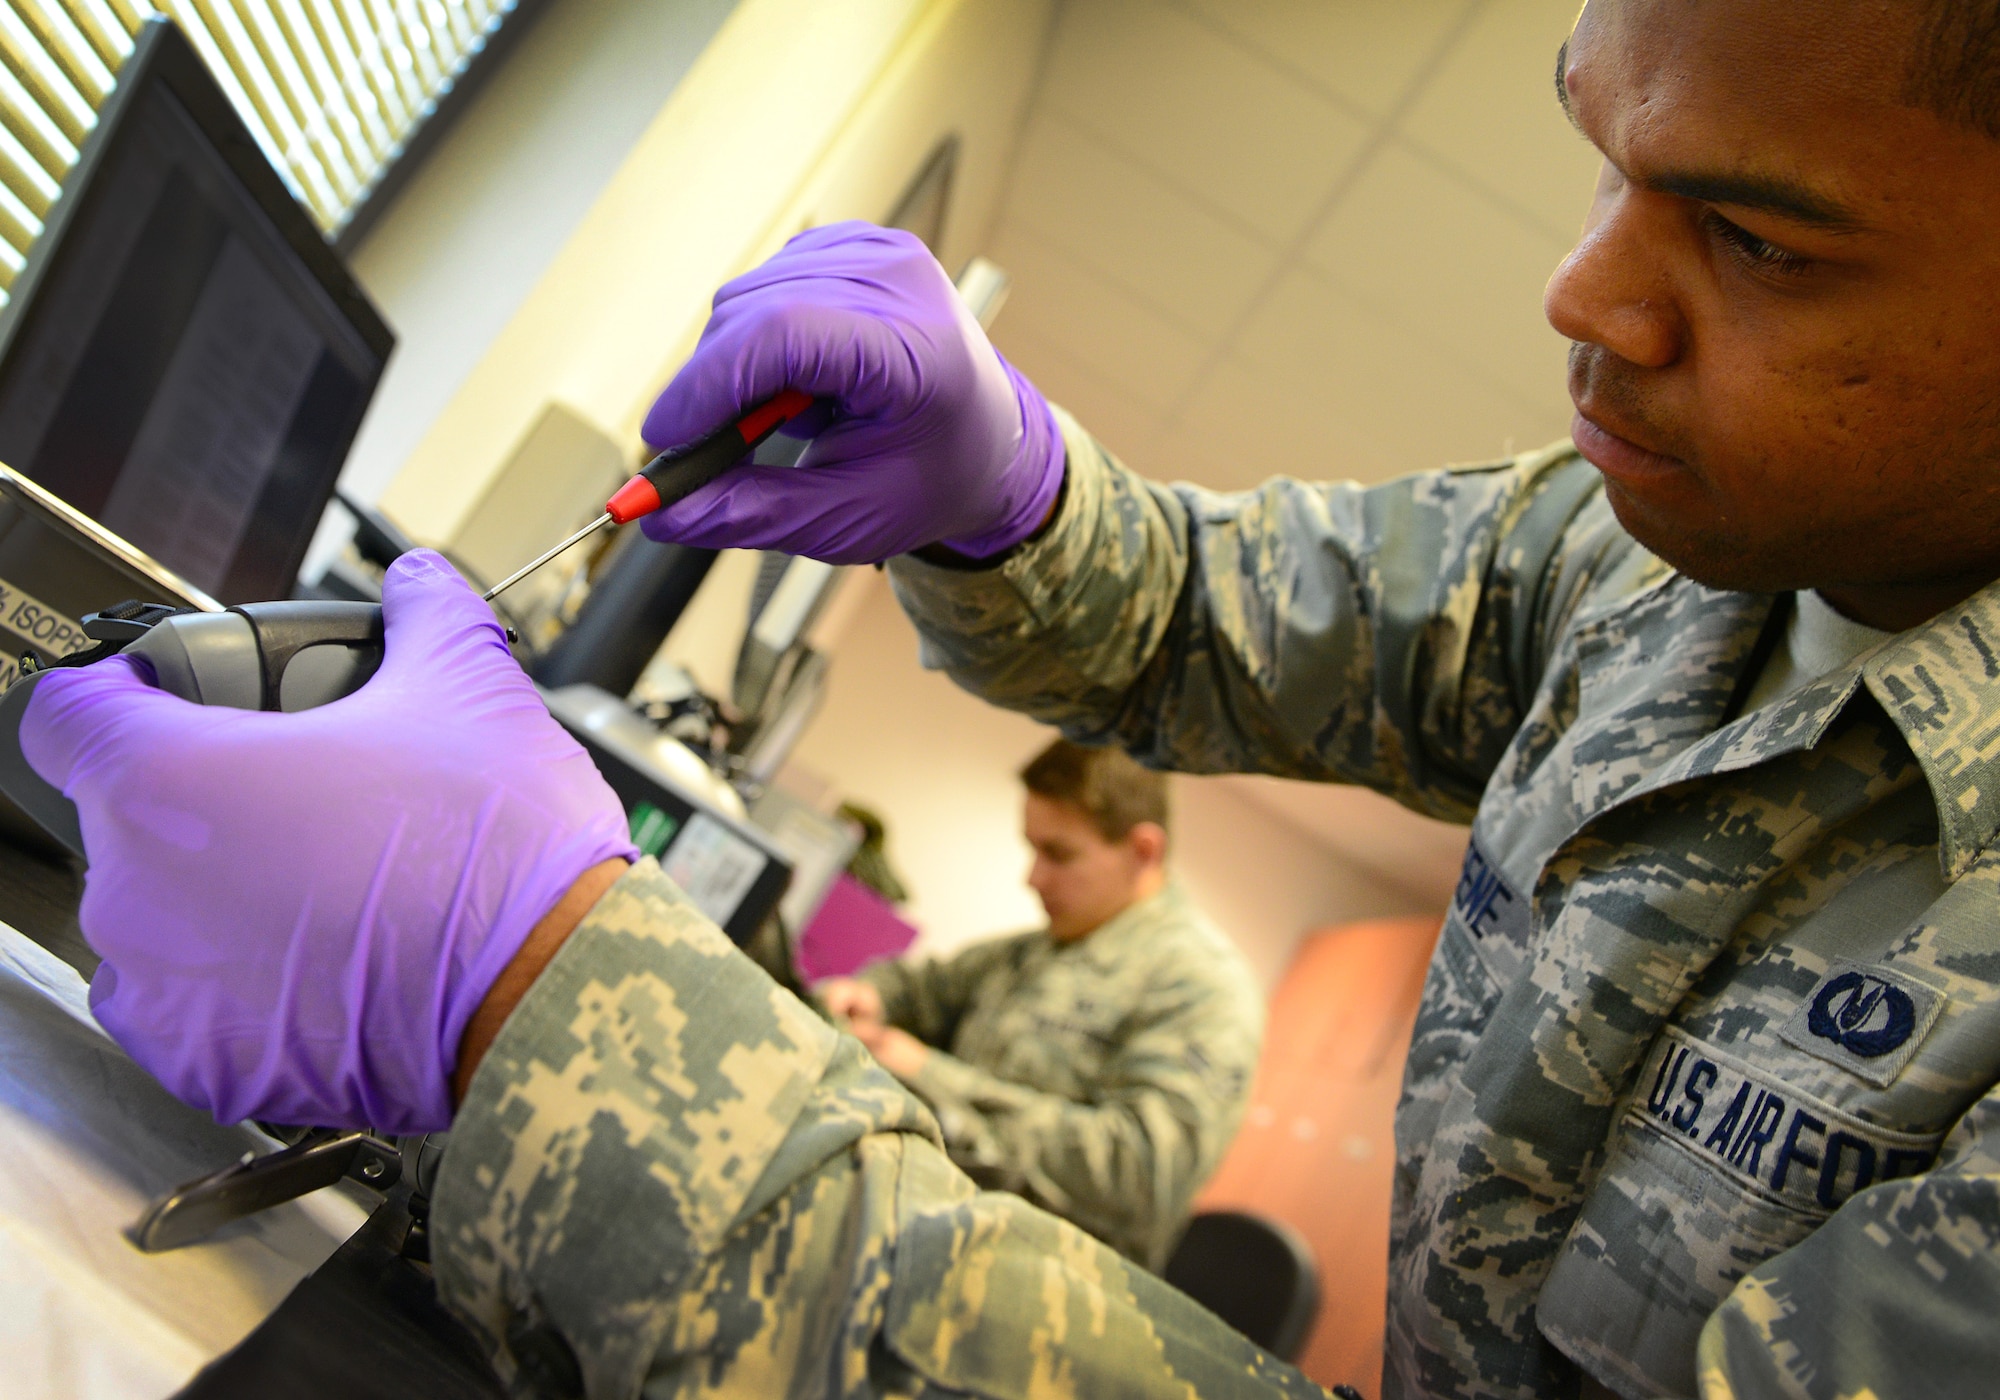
x=1268, y=882
x=939, y=766
x=795, y=113
x=462, y=246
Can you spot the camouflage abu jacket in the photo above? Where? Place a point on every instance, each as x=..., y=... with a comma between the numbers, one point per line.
x=670, y=1178
x=1701, y=1093
x=1102, y=1079
x=1701, y=1087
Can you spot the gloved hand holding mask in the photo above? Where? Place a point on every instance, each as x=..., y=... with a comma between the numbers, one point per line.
x=300, y=913
x=932, y=437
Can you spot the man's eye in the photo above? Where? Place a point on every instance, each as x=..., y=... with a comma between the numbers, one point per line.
x=1751, y=250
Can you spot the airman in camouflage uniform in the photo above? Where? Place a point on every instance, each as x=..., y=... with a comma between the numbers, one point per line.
x=1103, y=1079
x=1708, y=975
x=1702, y=1087
x=1701, y=1078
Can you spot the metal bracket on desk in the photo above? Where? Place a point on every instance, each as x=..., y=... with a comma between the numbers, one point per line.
x=201, y=1207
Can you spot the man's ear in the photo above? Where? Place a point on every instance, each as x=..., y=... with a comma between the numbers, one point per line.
x=1148, y=841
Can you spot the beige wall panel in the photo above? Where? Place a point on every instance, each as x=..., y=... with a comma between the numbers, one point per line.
x=797, y=113
x=462, y=246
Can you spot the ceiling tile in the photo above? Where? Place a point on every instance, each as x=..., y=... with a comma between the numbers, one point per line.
x=1059, y=302
x=1242, y=427
x=1366, y=51
x=1433, y=252
x=1115, y=417
x=1491, y=111
x=1326, y=386
x=1238, y=135
x=1133, y=227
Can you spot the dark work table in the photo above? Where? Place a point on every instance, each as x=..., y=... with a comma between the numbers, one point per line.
x=39, y=896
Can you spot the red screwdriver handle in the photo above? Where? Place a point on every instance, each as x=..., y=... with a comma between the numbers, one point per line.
x=680, y=472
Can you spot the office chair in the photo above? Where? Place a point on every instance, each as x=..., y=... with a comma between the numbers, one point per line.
x=1255, y=1274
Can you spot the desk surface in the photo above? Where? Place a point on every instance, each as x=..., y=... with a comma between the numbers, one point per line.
x=38, y=897
x=86, y=1139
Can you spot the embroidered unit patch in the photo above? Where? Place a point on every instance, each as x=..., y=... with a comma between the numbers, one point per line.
x=1864, y=1018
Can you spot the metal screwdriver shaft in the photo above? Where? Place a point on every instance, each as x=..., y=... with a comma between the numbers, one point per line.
x=678, y=473
x=533, y=564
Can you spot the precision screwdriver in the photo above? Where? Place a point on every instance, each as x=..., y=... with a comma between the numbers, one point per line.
x=676, y=474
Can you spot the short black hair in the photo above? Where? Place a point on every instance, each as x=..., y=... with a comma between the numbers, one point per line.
x=1106, y=785
x=1954, y=65
x=1953, y=68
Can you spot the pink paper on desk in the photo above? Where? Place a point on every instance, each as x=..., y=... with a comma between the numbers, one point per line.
x=854, y=927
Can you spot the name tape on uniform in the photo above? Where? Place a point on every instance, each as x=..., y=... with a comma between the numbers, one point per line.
x=1496, y=915
x=1765, y=1133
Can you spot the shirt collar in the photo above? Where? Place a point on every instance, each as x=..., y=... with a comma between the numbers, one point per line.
x=1940, y=685
x=1103, y=943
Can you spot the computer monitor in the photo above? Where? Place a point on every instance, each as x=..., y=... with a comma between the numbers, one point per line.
x=184, y=359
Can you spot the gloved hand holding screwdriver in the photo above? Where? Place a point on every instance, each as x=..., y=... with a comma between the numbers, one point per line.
x=665, y=1174
x=299, y=913
x=926, y=435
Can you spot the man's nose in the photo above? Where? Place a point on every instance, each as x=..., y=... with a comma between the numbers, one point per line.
x=1615, y=289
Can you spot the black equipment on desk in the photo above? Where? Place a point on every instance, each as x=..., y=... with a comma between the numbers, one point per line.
x=297, y=655
x=1254, y=1272
x=635, y=600
x=184, y=358
x=636, y=597
x=731, y=869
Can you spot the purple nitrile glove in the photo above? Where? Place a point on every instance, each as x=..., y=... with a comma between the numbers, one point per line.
x=298, y=913
x=933, y=438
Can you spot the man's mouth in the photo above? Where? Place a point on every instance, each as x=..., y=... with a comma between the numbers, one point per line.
x=1616, y=455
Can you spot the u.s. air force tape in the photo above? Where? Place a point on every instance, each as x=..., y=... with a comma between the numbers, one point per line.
x=1765, y=1133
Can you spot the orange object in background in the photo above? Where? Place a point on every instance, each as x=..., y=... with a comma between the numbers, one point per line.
x=1317, y=1149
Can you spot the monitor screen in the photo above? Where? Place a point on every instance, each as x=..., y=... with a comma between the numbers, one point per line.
x=185, y=360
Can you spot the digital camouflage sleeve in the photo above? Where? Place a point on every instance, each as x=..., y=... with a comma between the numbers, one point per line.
x=928, y=996
x=1701, y=1089
x=1390, y=636
x=670, y=1178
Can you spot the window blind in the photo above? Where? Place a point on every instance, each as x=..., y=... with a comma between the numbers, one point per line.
x=332, y=89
